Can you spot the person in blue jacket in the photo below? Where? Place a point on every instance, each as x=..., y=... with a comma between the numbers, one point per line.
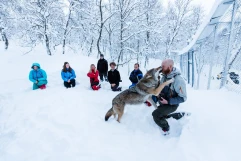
x=135, y=75
x=38, y=76
x=68, y=75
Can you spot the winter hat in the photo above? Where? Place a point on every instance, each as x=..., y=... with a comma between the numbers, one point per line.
x=35, y=64
x=101, y=55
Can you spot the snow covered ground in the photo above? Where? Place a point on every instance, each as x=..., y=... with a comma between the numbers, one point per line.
x=59, y=124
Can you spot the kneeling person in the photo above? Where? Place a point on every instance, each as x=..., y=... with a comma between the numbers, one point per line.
x=171, y=96
x=38, y=76
x=114, y=77
x=93, y=75
x=68, y=75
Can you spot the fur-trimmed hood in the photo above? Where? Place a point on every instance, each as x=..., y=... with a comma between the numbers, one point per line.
x=174, y=73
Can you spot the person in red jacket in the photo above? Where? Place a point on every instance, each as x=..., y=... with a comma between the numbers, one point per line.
x=93, y=74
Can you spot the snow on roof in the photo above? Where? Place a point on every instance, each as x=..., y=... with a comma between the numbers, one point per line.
x=207, y=27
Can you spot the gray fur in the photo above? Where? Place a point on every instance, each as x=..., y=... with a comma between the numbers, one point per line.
x=149, y=85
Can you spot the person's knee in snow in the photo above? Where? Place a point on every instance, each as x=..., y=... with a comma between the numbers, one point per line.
x=116, y=88
x=35, y=86
x=133, y=85
x=67, y=85
x=73, y=82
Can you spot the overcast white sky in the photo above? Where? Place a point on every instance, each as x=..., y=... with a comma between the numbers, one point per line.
x=207, y=4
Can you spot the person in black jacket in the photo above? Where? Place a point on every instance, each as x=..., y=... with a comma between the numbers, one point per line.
x=135, y=75
x=114, y=78
x=102, y=67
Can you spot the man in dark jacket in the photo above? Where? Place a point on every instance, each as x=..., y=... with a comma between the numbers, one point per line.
x=170, y=97
x=114, y=78
x=102, y=67
x=135, y=75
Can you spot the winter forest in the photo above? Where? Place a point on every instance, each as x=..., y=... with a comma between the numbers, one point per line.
x=68, y=67
x=125, y=29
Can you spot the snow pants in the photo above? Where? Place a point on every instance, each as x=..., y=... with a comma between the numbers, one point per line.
x=103, y=74
x=162, y=113
x=116, y=88
x=40, y=83
x=69, y=84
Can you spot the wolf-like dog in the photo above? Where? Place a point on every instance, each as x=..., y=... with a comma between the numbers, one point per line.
x=149, y=85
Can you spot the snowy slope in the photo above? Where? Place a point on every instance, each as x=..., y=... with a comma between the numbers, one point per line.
x=60, y=124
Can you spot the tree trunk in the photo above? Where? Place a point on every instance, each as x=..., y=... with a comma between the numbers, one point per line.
x=110, y=47
x=66, y=28
x=148, y=24
x=6, y=41
x=91, y=46
x=46, y=39
x=4, y=38
x=47, y=44
x=101, y=28
x=138, y=49
x=121, y=38
x=146, y=61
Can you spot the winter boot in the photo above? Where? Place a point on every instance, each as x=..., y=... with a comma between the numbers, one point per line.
x=99, y=86
x=178, y=115
x=95, y=88
x=43, y=86
x=106, y=80
x=165, y=131
x=148, y=103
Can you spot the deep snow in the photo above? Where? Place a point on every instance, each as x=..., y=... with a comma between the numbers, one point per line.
x=59, y=124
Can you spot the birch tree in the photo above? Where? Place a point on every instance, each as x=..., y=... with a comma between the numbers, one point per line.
x=42, y=22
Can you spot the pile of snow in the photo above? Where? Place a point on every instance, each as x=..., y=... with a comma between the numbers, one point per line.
x=59, y=124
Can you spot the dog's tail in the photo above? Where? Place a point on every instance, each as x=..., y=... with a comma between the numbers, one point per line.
x=109, y=114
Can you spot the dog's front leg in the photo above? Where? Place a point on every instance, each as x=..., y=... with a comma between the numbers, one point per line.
x=152, y=102
x=161, y=86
